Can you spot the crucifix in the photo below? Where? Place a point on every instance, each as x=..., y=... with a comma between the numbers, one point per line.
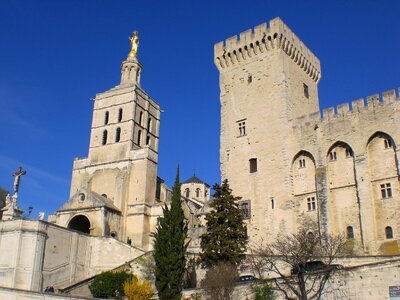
x=17, y=178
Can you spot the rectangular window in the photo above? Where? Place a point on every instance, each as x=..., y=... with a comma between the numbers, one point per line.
x=302, y=163
x=245, y=207
x=306, y=91
x=386, y=190
x=311, y=205
x=253, y=165
x=242, y=127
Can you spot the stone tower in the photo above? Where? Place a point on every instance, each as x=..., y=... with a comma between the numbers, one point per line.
x=114, y=190
x=267, y=77
x=289, y=163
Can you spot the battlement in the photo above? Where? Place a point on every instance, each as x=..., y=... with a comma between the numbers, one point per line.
x=361, y=105
x=261, y=39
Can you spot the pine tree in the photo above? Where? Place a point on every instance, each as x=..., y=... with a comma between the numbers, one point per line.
x=226, y=237
x=170, y=248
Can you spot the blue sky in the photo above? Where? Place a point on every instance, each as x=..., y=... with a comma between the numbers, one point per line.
x=56, y=55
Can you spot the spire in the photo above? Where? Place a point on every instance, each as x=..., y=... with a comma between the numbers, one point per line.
x=131, y=67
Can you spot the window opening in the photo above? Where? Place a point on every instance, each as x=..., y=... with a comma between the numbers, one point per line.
x=388, y=143
x=311, y=205
x=104, y=140
x=148, y=140
x=349, y=153
x=332, y=155
x=350, y=232
x=187, y=192
x=386, y=190
x=242, y=128
x=389, y=232
x=249, y=79
x=139, y=137
x=253, y=165
x=149, y=124
x=120, y=115
x=140, y=118
x=272, y=203
x=302, y=163
x=246, y=209
x=197, y=193
x=306, y=91
x=106, y=117
x=117, y=135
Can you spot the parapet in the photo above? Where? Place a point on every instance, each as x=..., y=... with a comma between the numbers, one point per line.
x=250, y=43
x=374, y=103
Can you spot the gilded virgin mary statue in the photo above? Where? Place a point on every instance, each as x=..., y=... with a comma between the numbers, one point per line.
x=134, y=44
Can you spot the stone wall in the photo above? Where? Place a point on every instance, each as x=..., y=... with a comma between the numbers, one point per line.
x=37, y=254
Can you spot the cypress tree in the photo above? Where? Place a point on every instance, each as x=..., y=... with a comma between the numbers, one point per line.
x=226, y=236
x=170, y=248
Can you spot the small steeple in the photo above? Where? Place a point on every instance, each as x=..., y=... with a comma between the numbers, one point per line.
x=131, y=67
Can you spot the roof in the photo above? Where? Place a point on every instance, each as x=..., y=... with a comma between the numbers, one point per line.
x=91, y=200
x=195, y=179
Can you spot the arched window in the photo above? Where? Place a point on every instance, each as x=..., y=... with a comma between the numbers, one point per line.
x=106, y=117
x=350, y=232
x=120, y=115
x=197, y=193
x=104, y=141
x=148, y=140
x=310, y=236
x=139, y=137
x=187, y=193
x=149, y=124
x=140, y=118
x=117, y=134
x=389, y=232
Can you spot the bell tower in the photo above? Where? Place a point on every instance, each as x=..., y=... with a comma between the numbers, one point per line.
x=115, y=186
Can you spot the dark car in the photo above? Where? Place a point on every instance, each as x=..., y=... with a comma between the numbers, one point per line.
x=314, y=266
x=246, y=278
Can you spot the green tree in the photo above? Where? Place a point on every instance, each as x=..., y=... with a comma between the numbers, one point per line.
x=109, y=284
x=226, y=237
x=170, y=248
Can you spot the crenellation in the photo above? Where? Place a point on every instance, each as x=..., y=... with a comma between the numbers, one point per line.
x=389, y=96
x=343, y=108
x=328, y=113
x=358, y=105
x=252, y=42
x=373, y=101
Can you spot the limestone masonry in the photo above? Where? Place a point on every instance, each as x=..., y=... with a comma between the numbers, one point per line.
x=288, y=162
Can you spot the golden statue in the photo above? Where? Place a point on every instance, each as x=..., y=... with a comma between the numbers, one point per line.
x=134, y=44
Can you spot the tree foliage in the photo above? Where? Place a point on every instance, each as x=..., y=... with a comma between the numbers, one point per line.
x=220, y=281
x=170, y=248
x=226, y=237
x=264, y=291
x=109, y=284
x=138, y=290
x=293, y=252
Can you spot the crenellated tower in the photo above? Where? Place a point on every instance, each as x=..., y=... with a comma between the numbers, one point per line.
x=267, y=77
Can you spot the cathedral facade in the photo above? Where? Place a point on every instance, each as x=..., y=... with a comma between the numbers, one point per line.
x=288, y=162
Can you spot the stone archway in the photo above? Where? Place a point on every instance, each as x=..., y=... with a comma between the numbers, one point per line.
x=80, y=223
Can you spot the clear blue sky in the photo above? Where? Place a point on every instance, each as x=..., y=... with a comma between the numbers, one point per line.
x=56, y=55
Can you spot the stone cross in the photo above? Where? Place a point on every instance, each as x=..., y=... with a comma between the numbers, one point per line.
x=17, y=178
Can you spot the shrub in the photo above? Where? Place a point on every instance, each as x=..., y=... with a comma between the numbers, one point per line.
x=109, y=284
x=220, y=281
x=138, y=290
x=264, y=292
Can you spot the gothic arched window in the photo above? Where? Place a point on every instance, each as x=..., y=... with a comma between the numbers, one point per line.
x=104, y=141
x=139, y=137
x=197, y=193
x=117, y=134
x=106, y=117
x=120, y=115
x=187, y=193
